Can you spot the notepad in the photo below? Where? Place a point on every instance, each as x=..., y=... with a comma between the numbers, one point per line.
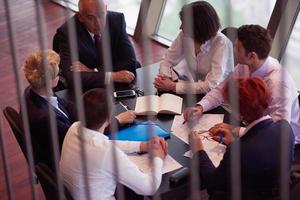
x=152, y=104
x=140, y=132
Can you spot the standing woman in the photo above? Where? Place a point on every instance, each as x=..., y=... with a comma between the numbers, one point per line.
x=200, y=58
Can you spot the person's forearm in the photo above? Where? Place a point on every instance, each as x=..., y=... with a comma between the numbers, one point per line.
x=128, y=146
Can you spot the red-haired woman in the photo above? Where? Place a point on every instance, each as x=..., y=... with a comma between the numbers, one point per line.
x=260, y=147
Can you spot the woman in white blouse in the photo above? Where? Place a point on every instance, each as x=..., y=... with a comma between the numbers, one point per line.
x=200, y=58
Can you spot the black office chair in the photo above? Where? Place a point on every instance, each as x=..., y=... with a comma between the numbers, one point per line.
x=48, y=182
x=15, y=121
x=231, y=34
x=295, y=190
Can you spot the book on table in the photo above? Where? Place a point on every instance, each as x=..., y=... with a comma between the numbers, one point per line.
x=153, y=104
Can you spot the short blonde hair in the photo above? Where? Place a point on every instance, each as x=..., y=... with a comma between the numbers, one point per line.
x=34, y=70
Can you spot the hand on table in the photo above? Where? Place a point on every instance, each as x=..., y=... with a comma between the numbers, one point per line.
x=157, y=147
x=222, y=133
x=195, y=142
x=193, y=113
x=79, y=67
x=122, y=76
x=126, y=117
x=164, y=83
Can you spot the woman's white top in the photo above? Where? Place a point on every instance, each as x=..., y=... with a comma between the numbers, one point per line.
x=203, y=71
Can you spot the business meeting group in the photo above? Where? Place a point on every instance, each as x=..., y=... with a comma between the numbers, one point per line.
x=77, y=137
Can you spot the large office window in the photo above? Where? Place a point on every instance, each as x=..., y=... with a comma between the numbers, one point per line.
x=130, y=8
x=231, y=13
x=291, y=59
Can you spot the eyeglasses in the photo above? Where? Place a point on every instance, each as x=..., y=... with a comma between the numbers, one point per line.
x=206, y=137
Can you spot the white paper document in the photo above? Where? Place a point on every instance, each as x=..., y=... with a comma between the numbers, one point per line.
x=206, y=121
x=143, y=162
x=214, y=150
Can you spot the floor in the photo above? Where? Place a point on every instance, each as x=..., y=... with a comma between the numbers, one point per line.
x=26, y=37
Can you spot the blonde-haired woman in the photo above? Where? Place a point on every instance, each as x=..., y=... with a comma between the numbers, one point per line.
x=38, y=104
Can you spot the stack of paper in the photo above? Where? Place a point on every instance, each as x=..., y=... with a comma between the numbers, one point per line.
x=143, y=162
x=214, y=150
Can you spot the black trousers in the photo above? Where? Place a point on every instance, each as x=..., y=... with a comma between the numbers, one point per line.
x=297, y=154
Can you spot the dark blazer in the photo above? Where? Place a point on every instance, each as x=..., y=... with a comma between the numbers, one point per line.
x=39, y=122
x=122, y=52
x=259, y=159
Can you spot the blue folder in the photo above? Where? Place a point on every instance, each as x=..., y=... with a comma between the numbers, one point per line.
x=140, y=132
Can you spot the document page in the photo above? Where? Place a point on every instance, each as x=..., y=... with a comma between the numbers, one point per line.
x=214, y=149
x=170, y=103
x=182, y=131
x=147, y=105
x=143, y=162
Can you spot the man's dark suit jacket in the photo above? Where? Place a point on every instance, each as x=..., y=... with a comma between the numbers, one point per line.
x=122, y=52
x=39, y=122
x=260, y=163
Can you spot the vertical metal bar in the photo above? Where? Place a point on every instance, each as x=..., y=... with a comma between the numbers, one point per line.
x=191, y=99
x=71, y=26
x=23, y=108
x=53, y=124
x=5, y=162
x=146, y=57
x=284, y=139
x=235, y=161
x=108, y=67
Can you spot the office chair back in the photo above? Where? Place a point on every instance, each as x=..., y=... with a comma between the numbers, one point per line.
x=231, y=34
x=15, y=121
x=48, y=182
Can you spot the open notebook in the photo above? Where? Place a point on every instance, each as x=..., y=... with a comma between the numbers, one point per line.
x=152, y=104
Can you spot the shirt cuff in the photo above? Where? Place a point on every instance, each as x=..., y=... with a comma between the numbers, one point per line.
x=182, y=87
x=128, y=146
x=241, y=131
x=205, y=105
x=158, y=163
x=107, y=77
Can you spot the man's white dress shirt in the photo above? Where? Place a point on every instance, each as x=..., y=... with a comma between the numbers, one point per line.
x=206, y=70
x=106, y=165
x=284, y=96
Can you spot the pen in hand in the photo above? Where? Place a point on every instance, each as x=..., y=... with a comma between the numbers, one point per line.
x=124, y=105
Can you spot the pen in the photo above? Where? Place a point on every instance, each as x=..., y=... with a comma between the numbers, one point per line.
x=203, y=131
x=124, y=105
x=190, y=115
x=221, y=139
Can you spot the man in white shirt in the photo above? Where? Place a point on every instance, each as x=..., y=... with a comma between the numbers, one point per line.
x=252, y=48
x=92, y=165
